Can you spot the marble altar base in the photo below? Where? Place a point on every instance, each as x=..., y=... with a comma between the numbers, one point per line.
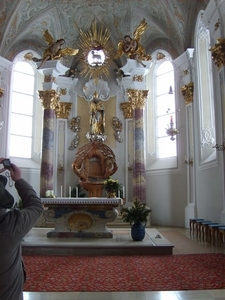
x=81, y=217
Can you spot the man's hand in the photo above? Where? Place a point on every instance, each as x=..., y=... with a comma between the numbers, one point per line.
x=1, y=160
x=15, y=172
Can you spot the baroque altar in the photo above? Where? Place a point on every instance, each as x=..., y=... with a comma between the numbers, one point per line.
x=81, y=217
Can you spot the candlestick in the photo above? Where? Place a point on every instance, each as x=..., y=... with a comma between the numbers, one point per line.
x=76, y=192
x=61, y=191
x=69, y=191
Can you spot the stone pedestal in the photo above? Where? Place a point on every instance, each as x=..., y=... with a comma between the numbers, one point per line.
x=81, y=217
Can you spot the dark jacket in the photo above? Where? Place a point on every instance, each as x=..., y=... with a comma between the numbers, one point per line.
x=14, y=225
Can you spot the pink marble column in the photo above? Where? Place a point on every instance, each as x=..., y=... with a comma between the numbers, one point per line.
x=50, y=100
x=138, y=99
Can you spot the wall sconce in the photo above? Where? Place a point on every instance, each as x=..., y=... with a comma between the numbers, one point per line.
x=189, y=162
x=171, y=131
x=219, y=147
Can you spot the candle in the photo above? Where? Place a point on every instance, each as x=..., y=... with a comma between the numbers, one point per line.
x=119, y=193
x=69, y=191
x=171, y=119
x=76, y=192
x=123, y=192
x=61, y=191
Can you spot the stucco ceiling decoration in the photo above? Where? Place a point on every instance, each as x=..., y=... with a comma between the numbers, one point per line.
x=23, y=22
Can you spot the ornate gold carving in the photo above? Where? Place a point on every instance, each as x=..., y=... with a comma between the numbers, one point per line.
x=137, y=98
x=63, y=109
x=28, y=56
x=49, y=99
x=186, y=72
x=218, y=52
x=94, y=161
x=1, y=92
x=49, y=78
x=118, y=127
x=63, y=91
x=74, y=126
x=217, y=25
x=160, y=55
x=127, y=110
x=132, y=46
x=96, y=51
x=138, y=78
x=80, y=222
x=188, y=91
x=54, y=50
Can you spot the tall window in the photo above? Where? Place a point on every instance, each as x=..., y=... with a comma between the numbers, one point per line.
x=22, y=110
x=161, y=151
x=25, y=130
x=165, y=109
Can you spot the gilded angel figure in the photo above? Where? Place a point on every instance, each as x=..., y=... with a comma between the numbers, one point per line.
x=54, y=51
x=132, y=47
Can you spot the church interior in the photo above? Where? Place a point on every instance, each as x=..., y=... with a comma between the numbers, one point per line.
x=128, y=91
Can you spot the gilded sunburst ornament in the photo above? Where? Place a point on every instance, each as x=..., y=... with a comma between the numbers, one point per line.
x=96, y=51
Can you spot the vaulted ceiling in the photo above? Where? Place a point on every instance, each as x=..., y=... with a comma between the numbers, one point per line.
x=171, y=23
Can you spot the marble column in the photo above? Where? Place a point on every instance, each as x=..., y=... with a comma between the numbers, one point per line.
x=137, y=98
x=50, y=100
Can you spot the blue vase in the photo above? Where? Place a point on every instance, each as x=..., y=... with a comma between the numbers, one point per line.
x=138, y=231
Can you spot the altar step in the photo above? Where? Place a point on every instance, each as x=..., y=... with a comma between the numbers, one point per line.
x=36, y=242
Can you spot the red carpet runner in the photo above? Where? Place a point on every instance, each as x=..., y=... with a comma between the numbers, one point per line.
x=124, y=273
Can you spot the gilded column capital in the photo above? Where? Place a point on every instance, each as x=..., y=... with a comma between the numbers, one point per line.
x=137, y=98
x=49, y=99
x=63, y=109
x=127, y=110
x=188, y=91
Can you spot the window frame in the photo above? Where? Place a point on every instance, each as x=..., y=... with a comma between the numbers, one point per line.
x=37, y=117
x=154, y=164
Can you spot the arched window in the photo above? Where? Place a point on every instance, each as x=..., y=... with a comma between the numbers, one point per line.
x=26, y=112
x=161, y=111
x=165, y=109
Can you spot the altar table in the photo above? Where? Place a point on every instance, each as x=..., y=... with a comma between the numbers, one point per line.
x=81, y=217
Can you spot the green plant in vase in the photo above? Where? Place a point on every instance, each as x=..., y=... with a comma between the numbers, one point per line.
x=137, y=216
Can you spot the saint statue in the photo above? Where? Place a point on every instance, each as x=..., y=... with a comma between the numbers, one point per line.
x=97, y=116
x=132, y=47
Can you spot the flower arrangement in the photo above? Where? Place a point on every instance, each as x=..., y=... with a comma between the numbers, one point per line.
x=138, y=213
x=111, y=185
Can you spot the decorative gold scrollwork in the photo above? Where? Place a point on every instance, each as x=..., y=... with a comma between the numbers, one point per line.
x=188, y=91
x=218, y=52
x=63, y=109
x=127, y=110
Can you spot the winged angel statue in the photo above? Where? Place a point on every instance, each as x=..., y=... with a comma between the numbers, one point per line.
x=132, y=47
x=54, y=50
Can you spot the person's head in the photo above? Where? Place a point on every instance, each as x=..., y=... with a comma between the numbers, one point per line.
x=127, y=39
x=61, y=41
x=6, y=199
